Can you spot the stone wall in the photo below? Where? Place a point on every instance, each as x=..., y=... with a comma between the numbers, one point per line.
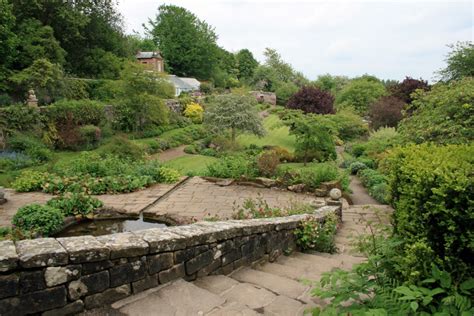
x=265, y=97
x=56, y=276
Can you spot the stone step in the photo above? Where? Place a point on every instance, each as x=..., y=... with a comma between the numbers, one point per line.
x=292, y=273
x=342, y=261
x=274, y=283
x=176, y=298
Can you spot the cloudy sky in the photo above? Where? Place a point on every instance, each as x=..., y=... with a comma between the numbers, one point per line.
x=389, y=39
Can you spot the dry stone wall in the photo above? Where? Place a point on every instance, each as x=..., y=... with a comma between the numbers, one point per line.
x=59, y=276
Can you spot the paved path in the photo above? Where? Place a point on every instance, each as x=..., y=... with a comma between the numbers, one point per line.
x=199, y=198
x=195, y=198
x=132, y=203
x=262, y=288
x=359, y=195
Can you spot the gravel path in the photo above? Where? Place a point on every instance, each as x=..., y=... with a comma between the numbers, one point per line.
x=170, y=154
x=359, y=194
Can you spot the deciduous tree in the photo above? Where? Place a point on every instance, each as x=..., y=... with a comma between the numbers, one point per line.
x=234, y=112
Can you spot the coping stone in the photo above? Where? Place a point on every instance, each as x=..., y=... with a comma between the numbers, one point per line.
x=123, y=245
x=8, y=256
x=84, y=249
x=41, y=252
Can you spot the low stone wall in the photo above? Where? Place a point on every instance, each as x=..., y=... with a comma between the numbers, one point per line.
x=57, y=276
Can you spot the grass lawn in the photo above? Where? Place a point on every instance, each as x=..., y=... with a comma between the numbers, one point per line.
x=194, y=164
x=277, y=135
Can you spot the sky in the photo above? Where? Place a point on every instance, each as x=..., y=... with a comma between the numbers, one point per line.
x=388, y=39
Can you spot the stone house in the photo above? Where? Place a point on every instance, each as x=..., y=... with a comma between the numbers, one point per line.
x=153, y=60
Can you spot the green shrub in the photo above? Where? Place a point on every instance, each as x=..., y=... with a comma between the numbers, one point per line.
x=90, y=136
x=349, y=125
x=233, y=166
x=208, y=152
x=191, y=149
x=38, y=219
x=21, y=118
x=31, y=146
x=29, y=181
x=381, y=140
x=444, y=115
x=14, y=161
x=123, y=148
x=358, y=149
x=381, y=192
x=72, y=204
x=311, y=176
x=267, y=163
x=80, y=112
x=318, y=236
x=356, y=166
x=371, y=177
x=168, y=175
x=432, y=189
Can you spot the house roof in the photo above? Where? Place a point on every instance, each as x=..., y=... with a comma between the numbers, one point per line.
x=193, y=82
x=179, y=83
x=145, y=55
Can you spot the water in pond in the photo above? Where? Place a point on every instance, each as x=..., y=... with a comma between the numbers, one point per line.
x=108, y=226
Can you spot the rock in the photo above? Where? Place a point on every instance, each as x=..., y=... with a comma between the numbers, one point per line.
x=59, y=275
x=199, y=262
x=69, y=309
x=39, y=301
x=321, y=192
x=335, y=194
x=145, y=284
x=124, y=245
x=9, y=285
x=159, y=262
x=8, y=256
x=89, y=284
x=297, y=188
x=250, y=184
x=329, y=185
x=173, y=273
x=266, y=182
x=85, y=249
x=162, y=239
x=128, y=272
x=225, y=182
x=41, y=252
x=3, y=200
x=93, y=267
x=31, y=281
x=107, y=297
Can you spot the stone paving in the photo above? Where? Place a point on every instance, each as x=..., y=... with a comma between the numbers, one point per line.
x=196, y=198
x=199, y=198
x=131, y=203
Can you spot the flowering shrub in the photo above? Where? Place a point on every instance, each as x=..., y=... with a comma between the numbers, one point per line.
x=194, y=111
x=316, y=235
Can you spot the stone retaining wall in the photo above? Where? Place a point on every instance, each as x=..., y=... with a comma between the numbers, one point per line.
x=57, y=276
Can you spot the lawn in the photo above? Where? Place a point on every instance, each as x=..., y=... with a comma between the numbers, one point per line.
x=191, y=164
x=277, y=135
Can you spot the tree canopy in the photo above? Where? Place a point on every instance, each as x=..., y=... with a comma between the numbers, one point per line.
x=460, y=62
x=234, y=112
x=188, y=44
x=360, y=93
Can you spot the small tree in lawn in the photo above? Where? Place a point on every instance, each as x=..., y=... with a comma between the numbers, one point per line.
x=313, y=141
x=312, y=100
x=236, y=113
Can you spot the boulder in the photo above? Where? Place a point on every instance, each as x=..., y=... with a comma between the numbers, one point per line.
x=321, y=192
x=329, y=185
x=268, y=183
x=297, y=188
x=335, y=194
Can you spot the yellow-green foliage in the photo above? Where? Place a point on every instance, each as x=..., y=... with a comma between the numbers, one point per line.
x=194, y=111
x=432, y=189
